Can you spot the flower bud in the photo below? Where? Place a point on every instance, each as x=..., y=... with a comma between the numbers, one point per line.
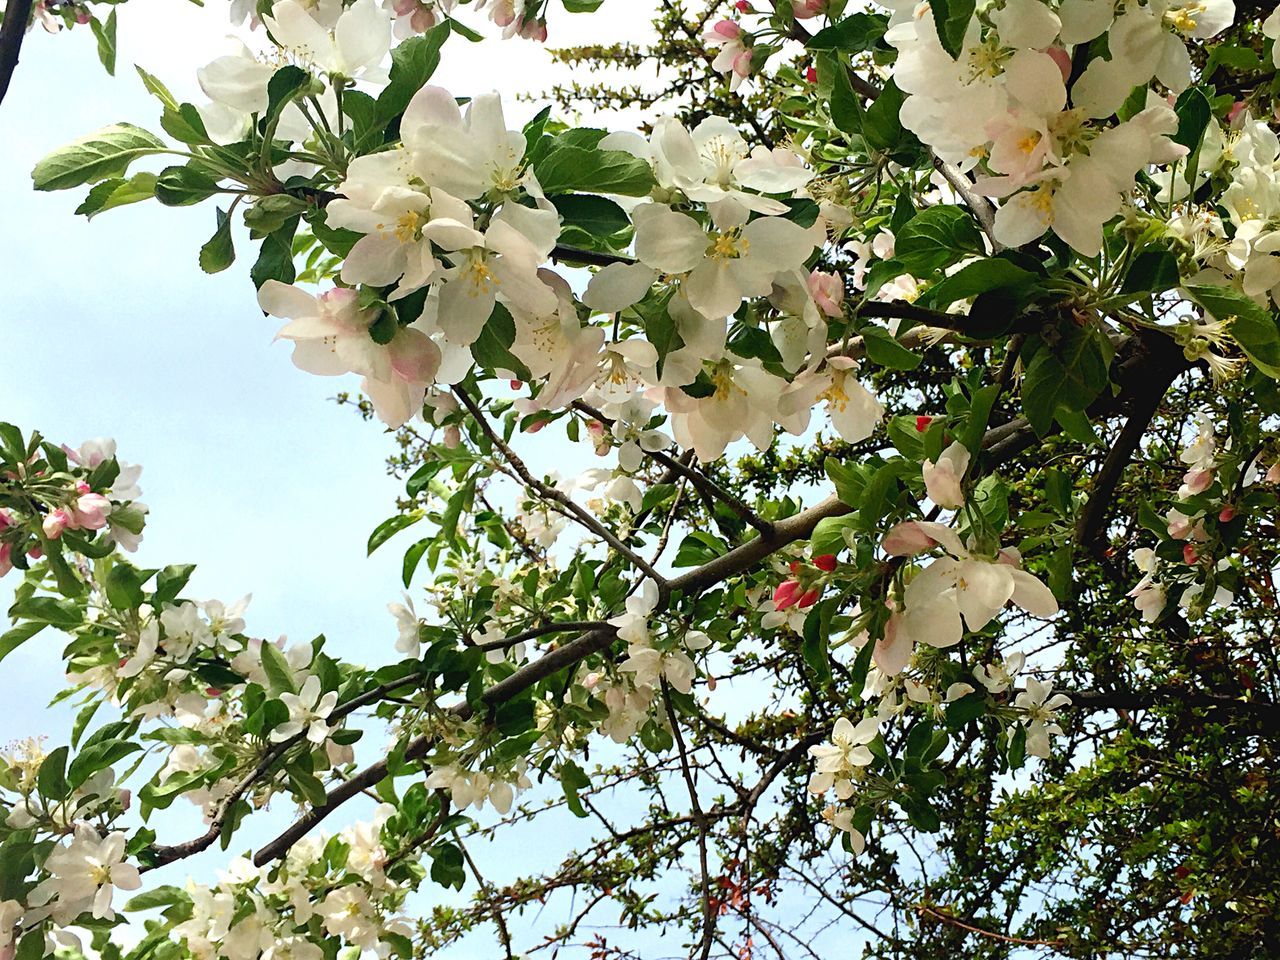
x=811, y=74
x=56, y=522
x=1189, y=554
x=786, y=594
x=809, y=597
x=922, y=423
x=826, y=561
x=827, y=290
x=807, y=9
x=728, y=29
x=6, y=558
x=1227, y=514
x=90, y=511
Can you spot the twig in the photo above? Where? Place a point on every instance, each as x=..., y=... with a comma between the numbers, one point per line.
x=556, y=495
x=947, y=918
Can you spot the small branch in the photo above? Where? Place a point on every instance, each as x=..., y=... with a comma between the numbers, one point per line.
x=1263, y=710
x=12, y=32
x=700, y=819
x=548, y=492
x=567, y=626
x=947, y=918
x=595, y=258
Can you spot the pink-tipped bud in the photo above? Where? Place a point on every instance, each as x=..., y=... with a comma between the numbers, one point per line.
x=90, y=511
x=922, y=423
x=55, y=523
x=1237, y=108
x=809, y=597
x=827, y=290
x=807, y=9
x=906, y=539
x=1190, y=556
x=35, y=552
x=1197, y=481
x=126, y=799
x=6, y=519
x=1227, y=514
x=826, y=562
x=727, y=30
x=743, y=6
x=82, y=487
x=6, y=558
x=786, y=594
x=811, y=74
x=1063, y=60
x=742, y=64
x=535, y=426
x=1273, y=475
x=452, y=437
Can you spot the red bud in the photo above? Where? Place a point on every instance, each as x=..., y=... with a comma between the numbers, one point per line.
x=825, y=562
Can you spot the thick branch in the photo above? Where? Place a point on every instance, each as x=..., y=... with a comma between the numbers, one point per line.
x=12, y=32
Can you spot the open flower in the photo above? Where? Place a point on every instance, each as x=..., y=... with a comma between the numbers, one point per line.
x=354, y=48
x=1041, y=706
x=308, y=711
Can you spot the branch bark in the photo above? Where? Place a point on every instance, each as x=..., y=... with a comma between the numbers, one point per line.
x=12, y=32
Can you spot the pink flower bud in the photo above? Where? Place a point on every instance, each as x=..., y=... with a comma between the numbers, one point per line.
x=452, y=437
x=1063, y=60
x=727, y=29
x=806, y=9
x=404, y=8
x=1197, y=481
x=36, y=552
x=1189, y=554
x=742, y=64
x=786, y=594
x=90, y=511
x=6, y=558
x=126, y=799
x=1227, y=514
x=906, y=539
x=1237, y=108
x=82, y=487
x=742, y=6
x=827, y=290
x=56, y=522
x=6, y=519
x=809, y=597
x=826, y=561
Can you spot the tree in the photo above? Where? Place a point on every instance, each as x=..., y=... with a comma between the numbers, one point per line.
x=923, y=601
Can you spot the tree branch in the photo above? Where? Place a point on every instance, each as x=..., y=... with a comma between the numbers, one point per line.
x=12, y=32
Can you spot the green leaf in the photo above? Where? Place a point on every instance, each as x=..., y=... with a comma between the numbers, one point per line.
x=11, y=640
x=848, y=482
x=64, y=614
x=882, y=124
x=884, y=349
x=106, y=153
x=1152, y=271
x=597, y=216
x=582, y=6
x=163, y=896
x=1070, y=376
x=390, y=527
x=286, y=85
x=171, y=580
x=412, y=557
x=446, y=866
x=412, y=64
x=514, y=717
x=307, y=784
x=124, y=587
x=51, y=779
x=699, y=547
x=856, y=33
x=492, y=349
x=82, y=720
x=975, y=278
x=219, y=252
x=275, y=259
x=937, y=237
x=157, y=89
x=569, y=169
x=828, y=535
x=183, y=186
x=846, y=107
x=117, y=192
x=276, y=667
x=952, y=17
x=1251, y=326
x=573, y=779
x=105, y=34
x=1194, y=113
x=817, y=630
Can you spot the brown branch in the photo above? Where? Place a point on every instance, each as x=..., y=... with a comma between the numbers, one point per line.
x=16, y=15
x=947, y=918
x=1263, y=710
x=555, y=495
